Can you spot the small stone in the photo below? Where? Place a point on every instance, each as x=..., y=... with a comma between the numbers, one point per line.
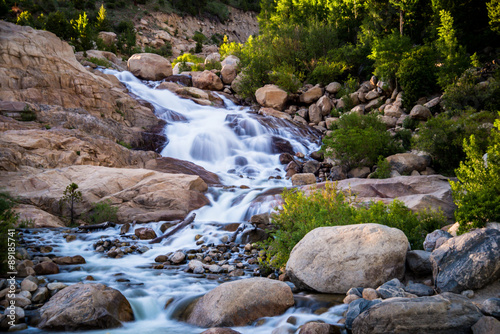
x=40, y=295
x=30, y=283
x=491, y=306
x=370, y=294
x=70, y=237
x=161, y=258
x=350, y=298
x=248, y=247
x=178, y=257
x=486, y=325
x=56, y=286
x=46, y=249
x=419, y=289
x=18, y=327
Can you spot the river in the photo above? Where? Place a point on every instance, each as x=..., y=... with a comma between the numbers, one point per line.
x=236, y=144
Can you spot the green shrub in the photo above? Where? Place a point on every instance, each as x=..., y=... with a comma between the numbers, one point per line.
x=213, y=65
x=100, y=62
x=102, y=212
x=325, y=72
x=359, y=140
x=331, y=207
x=164, y=50
x=468, y=93
x=417, y=74
x=124, y=144
x=285, y=77
x=477, y=191
x=218, y=9
x=187, y=57
x=410, y=123
x=387, y=53
x=443, y=136
x=383, y=170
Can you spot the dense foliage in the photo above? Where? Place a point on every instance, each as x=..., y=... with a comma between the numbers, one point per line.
x=8, y=220
x=359, y=141
x=477, y=191
x=302, y=213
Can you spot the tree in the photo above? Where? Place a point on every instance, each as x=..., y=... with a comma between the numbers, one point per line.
x=102, y=22
x=477, y=191
x=494, y=15
x=403, y=6
x=71, y=196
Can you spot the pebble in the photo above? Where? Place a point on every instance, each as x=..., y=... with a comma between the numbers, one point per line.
x=56, y=286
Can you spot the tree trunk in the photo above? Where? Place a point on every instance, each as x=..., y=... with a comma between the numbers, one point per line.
x=401, y=14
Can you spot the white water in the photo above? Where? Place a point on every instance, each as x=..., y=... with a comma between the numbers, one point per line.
x=229, y=141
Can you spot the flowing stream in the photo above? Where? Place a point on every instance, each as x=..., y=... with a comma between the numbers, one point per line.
x=237, y=145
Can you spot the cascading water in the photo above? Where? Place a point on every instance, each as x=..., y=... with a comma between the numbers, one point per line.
x=237, y=145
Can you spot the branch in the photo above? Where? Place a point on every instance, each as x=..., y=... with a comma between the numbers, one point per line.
x=189, y=219
x=97, y=226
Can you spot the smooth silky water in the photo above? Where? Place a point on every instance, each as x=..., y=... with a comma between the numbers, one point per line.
x=235, y=144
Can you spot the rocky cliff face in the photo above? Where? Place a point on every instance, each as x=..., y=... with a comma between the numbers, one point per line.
x=61, y=122
x=37, y=67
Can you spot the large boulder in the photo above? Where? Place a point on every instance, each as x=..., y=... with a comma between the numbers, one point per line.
x=466, y=262
x=149, y=66
x=207, y=80
x=271, y=96
x=85, y=307
x=405, y=163
x=139, y=194
x=311, y=95
x=231, y=60
x=240, y=302
x=108, y=37
x=420, y=112
x=303, y=179
x=38, y=217
x=334, y=259
x=441, y=314
x=228, y=74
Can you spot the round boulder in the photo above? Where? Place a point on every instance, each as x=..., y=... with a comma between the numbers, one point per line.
x=271, y=96
x=145, y=233
x=207, y=80
x=240, y=302
x=334, y=259
x=149, y=66
x=85, y=307
x=405, y=163
x=420, y=112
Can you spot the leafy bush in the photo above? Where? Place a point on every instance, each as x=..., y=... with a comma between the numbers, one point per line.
x=218, y=9
x=477, y=191
x=383, y=170
x=331, y=207
x=188, y=58
x=417, y=74
x=467, y=92
x=213, y=65
x=359, y=140
x=100, y=62
x=443, y=136
x=285, y=77
x=325, y=72
x=387, y=53
x=102, y=212
x=164, y=50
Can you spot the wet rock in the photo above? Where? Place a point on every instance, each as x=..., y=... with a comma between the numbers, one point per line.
x=40, y=295
x=25, y=268
x=19, y=300
x=319, y=328
x=392, y=288
x=77, y=259
x=240, y=302
x=364, y=255
x=220, y=330
x=254, y=235
x=311, y=166
x=419, y=262
x=357, y=307
x=486, y=325
x=491, y=306
x=469, y=261
x=46, y=268
x=30, y=283
x=145, y=233
x=149, y=66
x=46, y=249
x=85, y=307
x=445, y=313
x=161, y=258
x=419, y=289
x=431, y=238
x=196, y=267
x=178, y=258
x=285, y=158
x=125, y=228
x=280, y=145
x=55, y=286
